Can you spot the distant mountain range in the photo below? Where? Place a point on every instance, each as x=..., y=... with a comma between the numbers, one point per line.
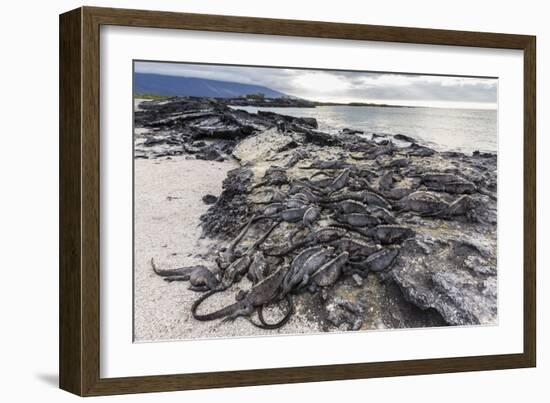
x=158, y=84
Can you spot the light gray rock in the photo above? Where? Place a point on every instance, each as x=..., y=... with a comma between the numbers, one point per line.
x=459, y=281
x=261, y=146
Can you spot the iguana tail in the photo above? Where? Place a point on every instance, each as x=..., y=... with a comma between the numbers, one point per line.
x=270, y=326
x=180, y=271
x=257, y=244
x=243, y=230
x=222, y=313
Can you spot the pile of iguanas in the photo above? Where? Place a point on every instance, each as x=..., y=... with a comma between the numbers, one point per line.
x=311, y=232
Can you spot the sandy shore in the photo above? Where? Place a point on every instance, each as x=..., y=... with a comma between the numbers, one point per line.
x=168, y=205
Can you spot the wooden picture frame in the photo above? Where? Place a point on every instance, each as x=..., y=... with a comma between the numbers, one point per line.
x=79, y=348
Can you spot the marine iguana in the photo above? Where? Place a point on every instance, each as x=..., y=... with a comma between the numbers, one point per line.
x=302, y=185
x=397, y=193
x=305, y=192
x=416, y=150
x=317, y=185
x=463, y=206
x=273, y=208
x=399, y=163
x=296, y=202
x=365, y=196
x=388, y=234
x=422, y=203
x=327, y=274
x=258, y=268
x=362, y=173
x=356, y=248
x=296, y=265
x=459, y=188
x=382, y=214
x=437, y=179
x=321, y=182
x=347, y=206
x=227, y=255
x=376, y=262
x=311, y=215
x=328, y=185
x=357, y=219
x=338, y=183
x=200, y=278
x=276, y=196
x=386, y=181
x=321, y=236
x=236, y=270
x=287, y=215
x=260, y=294
x=301, y=269
x=274, y=176
x=446, y=182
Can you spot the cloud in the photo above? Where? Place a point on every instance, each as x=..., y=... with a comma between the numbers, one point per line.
x=343, y=86
x=321, y=81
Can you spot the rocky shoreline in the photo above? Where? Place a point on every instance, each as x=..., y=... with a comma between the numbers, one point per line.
x=398, y=235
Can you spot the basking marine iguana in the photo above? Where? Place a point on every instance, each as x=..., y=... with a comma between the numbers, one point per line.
x=241, y=265
x=384, y=234
x=357, y=219
x=364, y=196
x=338, y=183
x=346, y=207
x=321, y=236
x=200, y=277
x=327, y=274
x=259, y=295
x=422, y=203
x=291, y=215
x=327, y=186
x=377, y=262
x=304, y=265
x=228, y=254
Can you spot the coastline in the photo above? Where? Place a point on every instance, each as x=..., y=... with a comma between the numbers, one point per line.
x=443, y=129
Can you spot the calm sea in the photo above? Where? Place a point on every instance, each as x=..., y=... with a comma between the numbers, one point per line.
x=465, y=130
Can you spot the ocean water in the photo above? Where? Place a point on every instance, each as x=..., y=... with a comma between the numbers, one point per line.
x=464, y=130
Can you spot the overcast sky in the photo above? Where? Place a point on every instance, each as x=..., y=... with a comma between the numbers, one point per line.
x=339, y=86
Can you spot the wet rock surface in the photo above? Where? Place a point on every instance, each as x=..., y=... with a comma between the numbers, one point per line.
x=352, y=230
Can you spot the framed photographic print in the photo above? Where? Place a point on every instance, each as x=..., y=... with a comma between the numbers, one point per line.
x=249, y=201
